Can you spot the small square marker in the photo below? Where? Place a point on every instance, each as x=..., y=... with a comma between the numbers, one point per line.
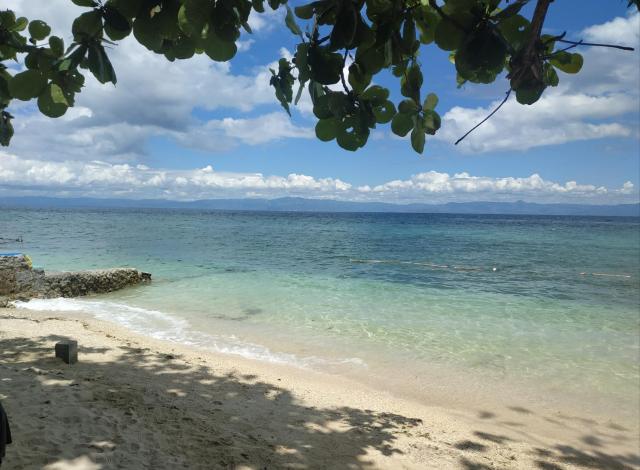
x=67, y=350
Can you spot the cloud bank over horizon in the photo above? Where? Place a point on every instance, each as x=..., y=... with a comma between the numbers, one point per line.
x=21, y=177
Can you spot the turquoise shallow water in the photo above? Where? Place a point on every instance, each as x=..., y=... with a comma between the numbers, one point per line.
x=549, y=305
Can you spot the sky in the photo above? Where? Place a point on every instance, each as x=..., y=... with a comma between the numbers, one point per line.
x=198, y=129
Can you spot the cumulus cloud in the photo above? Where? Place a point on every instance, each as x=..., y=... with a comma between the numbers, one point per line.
x=589, y=105
x=460, y=184
x=101, y=179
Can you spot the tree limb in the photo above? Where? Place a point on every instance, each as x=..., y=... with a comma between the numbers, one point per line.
x=594, y=44
x=485, y=119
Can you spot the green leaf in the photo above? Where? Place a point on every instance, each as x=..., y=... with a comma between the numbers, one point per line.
x=290, y=21
x=510, y=10
x=302, y=62
x=349, y=141
x=431, y=101
x=88, y=24
x=184, y=48
x=427, y=24
x=376, y=94
x=408, y=106
x=85, y=3
x=6, y=128
x=529, y=95
x=515, y=30
x=567, y=62
x=7, y=19
x=325, y=65
x=27, y=85
x=481, y=56
x=56, y=45
x=217, y=49
x=321, y=106
x=116, y=25
x=305, y=12
x=409, y=36
x=344, y=29
x=431, y=121
x=100, y=65
x=52, y=102
x=339, y=103
x=550, y=75
x=401, y=124
x=417, y=138
x=371, y=59
x=385, y=112
x=448, y=36
x=147, y=33
x=39, y=30
x=327, y=129
x=411, y=83
x=358, y=80
x=20, y=24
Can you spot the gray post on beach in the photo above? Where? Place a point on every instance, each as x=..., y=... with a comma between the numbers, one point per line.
x=67, y=350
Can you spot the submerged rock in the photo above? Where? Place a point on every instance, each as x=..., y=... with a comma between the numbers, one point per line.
x=19, y=280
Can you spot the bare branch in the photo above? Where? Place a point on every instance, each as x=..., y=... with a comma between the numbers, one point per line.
x=485, y=119
x=582, y=43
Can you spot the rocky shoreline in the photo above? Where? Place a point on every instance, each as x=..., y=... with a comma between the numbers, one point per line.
x=20, y=281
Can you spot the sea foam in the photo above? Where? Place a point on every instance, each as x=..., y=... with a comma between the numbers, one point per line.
x=169, y=327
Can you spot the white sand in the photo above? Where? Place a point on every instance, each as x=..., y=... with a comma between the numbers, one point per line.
x=135, y=403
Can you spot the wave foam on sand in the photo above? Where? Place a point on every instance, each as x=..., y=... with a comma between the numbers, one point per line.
x=167, y=327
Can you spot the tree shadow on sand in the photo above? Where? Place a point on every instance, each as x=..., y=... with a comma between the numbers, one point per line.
x=591, y=453
x=188, y=416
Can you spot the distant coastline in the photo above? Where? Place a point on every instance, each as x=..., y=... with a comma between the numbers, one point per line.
x=295, y=204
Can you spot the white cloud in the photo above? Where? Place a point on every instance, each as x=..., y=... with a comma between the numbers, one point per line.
x=104, y=179
x=100, y=179
x=558, y=117
x=443, y=184
x=267, y=21
x=589, y=105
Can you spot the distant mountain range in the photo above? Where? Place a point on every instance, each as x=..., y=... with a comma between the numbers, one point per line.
x=294, y=204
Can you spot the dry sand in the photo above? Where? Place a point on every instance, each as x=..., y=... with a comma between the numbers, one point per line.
x=136, y=403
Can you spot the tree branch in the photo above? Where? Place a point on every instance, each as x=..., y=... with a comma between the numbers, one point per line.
x=539, y=14
x=582, y=43
x=485, y=119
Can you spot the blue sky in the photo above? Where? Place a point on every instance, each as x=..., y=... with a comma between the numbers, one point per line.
x=195, y=129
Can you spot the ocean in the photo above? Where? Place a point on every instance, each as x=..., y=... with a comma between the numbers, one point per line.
x=538, y=310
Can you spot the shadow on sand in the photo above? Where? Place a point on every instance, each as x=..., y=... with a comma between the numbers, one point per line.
x=243, y=423
x=188, y=416
x=591, y=455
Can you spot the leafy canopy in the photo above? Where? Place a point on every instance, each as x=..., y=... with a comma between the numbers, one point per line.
x=484, y=37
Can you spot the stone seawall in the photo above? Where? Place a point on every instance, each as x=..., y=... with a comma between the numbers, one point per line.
x=100, y=281
x=18, y=280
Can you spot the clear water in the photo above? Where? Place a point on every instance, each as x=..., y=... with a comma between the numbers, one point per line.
x=548, y=306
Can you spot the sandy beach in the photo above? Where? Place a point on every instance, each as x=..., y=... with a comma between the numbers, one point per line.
x=134, y=402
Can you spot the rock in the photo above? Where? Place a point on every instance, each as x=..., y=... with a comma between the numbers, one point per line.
x=18, y=280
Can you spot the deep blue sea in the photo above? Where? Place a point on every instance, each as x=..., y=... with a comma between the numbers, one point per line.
x=546, y=308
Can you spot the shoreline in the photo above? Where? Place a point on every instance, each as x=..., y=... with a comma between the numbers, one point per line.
x=446, y=385
x=184, y=406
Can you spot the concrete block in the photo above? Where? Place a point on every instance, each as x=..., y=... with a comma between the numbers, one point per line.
x=67, y=350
